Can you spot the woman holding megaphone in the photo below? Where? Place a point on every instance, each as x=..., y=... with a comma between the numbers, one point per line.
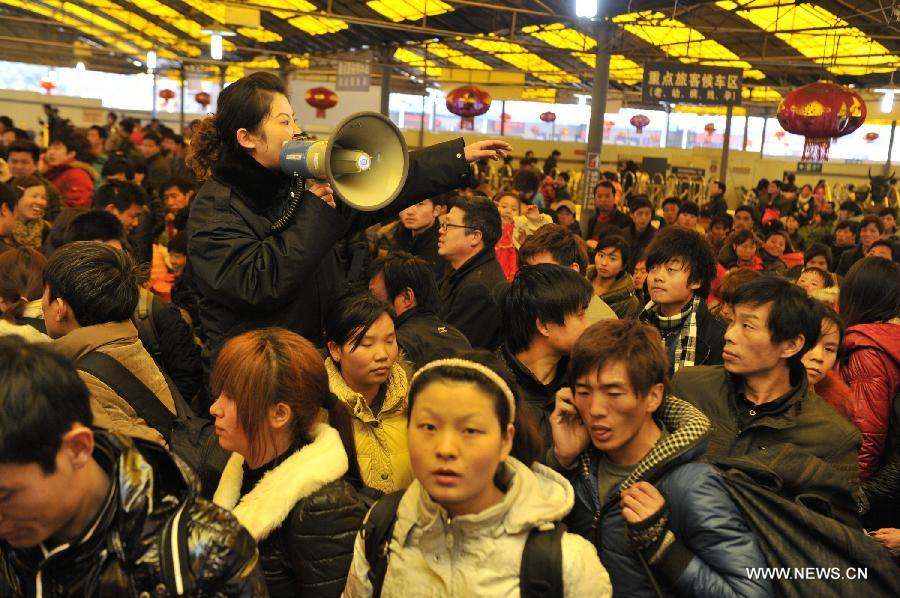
x=257, y=259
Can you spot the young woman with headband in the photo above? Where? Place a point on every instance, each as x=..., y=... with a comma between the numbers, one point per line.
x=461, y=528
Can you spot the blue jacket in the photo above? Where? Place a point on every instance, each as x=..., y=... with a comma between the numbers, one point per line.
x=713, y=544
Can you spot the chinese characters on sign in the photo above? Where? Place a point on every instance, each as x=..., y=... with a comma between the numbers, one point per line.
x=679, y=83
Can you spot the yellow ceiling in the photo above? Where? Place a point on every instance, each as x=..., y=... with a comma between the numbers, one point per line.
x=522, y=59
x=411, y=58
x=682, y=42
x=845, y=50
x=408, y=10
x=457, y=57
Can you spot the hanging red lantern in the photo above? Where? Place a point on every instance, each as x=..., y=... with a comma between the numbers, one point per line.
x=321, y=98
x=506, y=117
x=467, y=102
x=48, y=86
x=654, y=137
x=535, y=129
x=609, y=124
x=710, y=128
x=166, y=95
x=820, y=112
x=639, y=121
x=548, y=117
x=564, y=132
x=779, y=135
x=437, y=123
x=203, y=98
x=870, y=137
x=620, y=136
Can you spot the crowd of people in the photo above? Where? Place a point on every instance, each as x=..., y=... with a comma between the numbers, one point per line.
x=208, y=387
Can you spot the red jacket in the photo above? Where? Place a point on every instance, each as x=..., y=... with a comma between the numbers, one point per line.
x=872, y=372
x=74, y=183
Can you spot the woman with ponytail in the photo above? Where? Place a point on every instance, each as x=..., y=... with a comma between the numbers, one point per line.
x=292, y=479
x=21, y=288
x=256, y=261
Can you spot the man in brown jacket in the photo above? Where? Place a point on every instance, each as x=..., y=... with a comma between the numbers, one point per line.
x=90, y=292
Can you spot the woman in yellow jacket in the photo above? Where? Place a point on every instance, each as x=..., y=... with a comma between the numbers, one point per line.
x=363, y=371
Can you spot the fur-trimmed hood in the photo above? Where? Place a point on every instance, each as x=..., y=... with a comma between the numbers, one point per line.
x=309, y=469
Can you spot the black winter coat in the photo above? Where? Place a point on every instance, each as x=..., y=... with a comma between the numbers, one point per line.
x=249, y=278
x=305, y=511
x=424, y=337
x=469, y=298
x=121, y=555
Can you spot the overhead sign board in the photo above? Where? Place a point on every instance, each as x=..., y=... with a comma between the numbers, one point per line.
x=679, y=83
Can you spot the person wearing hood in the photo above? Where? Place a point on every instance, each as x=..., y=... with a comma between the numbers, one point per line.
x=869, y=303
x=292, y=479
x=462, y=527
x=258, y=263
x=610, y=279
x=662, y=520
x=365, y=373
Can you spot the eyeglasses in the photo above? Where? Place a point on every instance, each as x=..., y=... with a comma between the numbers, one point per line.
x=445, y=225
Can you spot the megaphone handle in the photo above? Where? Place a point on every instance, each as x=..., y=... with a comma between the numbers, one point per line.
x=298, y=188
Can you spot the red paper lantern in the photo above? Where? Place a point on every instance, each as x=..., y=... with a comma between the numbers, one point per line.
x=467, y=102
x=203, y=99
x=535, y=129
x=321, y=98
x=609, y=124
x=710, y=128
x=820, y=112
x=563, y=132
x=779, y=135
x=166, y=95
x=506, y=117
x=870, y=137
x=639, y=121
x=654, y=137
x=48, y=86
x=548, y=117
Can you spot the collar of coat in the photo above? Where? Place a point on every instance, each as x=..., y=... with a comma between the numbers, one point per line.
x=82, y=341
x=259, y=187
x=394, y=399
x=484, y=256
x=264, y=509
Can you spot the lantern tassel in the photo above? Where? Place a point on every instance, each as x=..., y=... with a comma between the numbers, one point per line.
x=320, y=113
x=816, y=149
x=467, y=123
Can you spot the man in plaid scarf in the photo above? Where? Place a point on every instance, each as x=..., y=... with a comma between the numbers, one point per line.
x=680, y=267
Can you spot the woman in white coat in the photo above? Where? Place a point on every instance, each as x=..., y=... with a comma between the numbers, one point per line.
x=460, y=529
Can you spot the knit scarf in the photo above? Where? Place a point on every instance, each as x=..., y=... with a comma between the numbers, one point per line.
x=685, y=321
x=29, y=234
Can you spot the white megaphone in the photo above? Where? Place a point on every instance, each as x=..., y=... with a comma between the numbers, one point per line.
x=365, y=161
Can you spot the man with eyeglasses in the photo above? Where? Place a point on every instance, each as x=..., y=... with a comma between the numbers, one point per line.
x=469, y=292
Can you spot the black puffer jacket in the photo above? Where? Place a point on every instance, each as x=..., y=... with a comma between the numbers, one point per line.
x=305, y=512
x=120, y=556
x=469, y=299
x=249, y=278
x=424, y=337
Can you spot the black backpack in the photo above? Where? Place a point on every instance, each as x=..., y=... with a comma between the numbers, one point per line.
x=540, y=574
x=190, y=437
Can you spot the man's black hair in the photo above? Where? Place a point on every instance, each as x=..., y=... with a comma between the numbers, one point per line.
x=99, y=282
x=8, y=197
x=791, y=311
x=851, y=206
x=723, y=219
x=872, y=219
x=673, y=200
x=678, y=242
x=121, y=194
x=526, y=181
x=403, y=271
x=150, y=136
x=721, y=185
x=94, y=225
x=605, y=183
x=745, y=208
x=127, y=125
x=888, y=211
x=545, y=292
x=639, y=201
x=182, y=183
x=100, y=131
x=885, y=243
x=351, y=316
x=7, y=122
x=25, y=147
x=481, y=214
x=168, y=133
x=73, y=141
x=559, y=242
x=19, y=134
x=112, y=114
x=853, y=227
x=179, y=243
x=689, y=207
x=616, y=242
x=41, y=398
x=118, y=164
x=817, y=249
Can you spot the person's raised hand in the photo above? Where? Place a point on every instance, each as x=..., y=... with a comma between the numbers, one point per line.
x=640, y=502
x=323, y=191
x=570, y=436
x=494, y=149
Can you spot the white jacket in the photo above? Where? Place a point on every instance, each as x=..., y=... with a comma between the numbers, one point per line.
x=480, y=554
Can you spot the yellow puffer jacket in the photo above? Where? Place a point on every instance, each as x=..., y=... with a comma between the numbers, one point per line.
x=380, y=440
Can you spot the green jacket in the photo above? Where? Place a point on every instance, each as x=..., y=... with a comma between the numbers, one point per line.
x=818, y=447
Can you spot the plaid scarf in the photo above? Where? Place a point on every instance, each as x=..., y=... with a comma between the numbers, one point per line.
x=685, y=321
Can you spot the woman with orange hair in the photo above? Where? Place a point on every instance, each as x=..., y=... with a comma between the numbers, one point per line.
x=293, y=480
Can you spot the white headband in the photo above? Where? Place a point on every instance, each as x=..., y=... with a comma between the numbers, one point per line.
x=481, y=369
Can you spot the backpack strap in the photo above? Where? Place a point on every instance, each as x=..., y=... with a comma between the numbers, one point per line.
x=130, y=388
x=541, y=574
x=143, y=321
x=174, y=555
x=376, y=533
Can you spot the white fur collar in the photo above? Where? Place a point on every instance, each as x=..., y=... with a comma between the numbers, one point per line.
x=264, y=508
